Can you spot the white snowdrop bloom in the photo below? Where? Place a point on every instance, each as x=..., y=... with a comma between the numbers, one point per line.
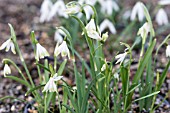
x=164, y=2
x=63, y=49
x=91, y=2
x=58, y=36
x=103, y=67
x=126, y=14
x=162, y=17
x=51, y=86
x=91, y=30
x=137, y=11
x=8, y=44
x=41, y=52
x=45, y=10
x=58, y=9
x=73, y=8
x=107, y=24
x=89, y=11
x=168, y=51
x=144, y=30
x=107, y=6
x=7, y=70
x=116, y=76
x=120, y=57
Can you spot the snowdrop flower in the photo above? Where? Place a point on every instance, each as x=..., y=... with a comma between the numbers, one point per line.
x=107, y=24
x=8, y=44
x=7, y=70
x=51, y=86
x=120, y=58
x=144, y=30
x=168, y=51
x=91, y=2
x=73, y=8
x=116, y=76
x=91, y=30
x=103, y=67
x=41, y=52
x=88, y=10
x=63, y=49
x=59, y=9
x=107, y=6
x=162, y=17
x=137, y=10
x=126, y=14
x=45, y=10
x=58, y=36
x=164, y=2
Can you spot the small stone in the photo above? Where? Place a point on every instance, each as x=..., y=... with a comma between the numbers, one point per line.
x=13, y=108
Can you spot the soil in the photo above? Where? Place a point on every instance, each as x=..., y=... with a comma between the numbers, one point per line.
x=24, y=16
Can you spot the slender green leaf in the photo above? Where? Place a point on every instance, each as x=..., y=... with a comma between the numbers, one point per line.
x=61, y=68
x=154, y=93
x=33, y=89
x=19, y=80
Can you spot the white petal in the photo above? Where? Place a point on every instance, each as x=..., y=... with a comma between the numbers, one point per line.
x=7, y=70
x=164, y=2
x=107, y=24
x=4, y=45
x=162, y=17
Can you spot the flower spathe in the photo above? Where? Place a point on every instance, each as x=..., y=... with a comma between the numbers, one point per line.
x=137, y=11
x=63, y=49
x=168, y=51
x=8, y=44
x=92, y=31
x=7, y=70
x=51, y=86
x=107, y=24
x=41, y=52
x=120, y=57
x=162, y=17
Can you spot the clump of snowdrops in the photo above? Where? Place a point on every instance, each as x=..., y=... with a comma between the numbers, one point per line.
x=97, y=94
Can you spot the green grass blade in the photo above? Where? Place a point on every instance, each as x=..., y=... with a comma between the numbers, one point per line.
x=33, y=89
x=19, y=80
x=154, y=93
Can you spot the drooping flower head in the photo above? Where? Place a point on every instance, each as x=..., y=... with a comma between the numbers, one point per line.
x=162, y=17
x=58, y=9
x=107, y=6
x=8, y=44
x=58, y=37
x=92, y=31
x=45, y=10
x=41, y=52
x=137, y=11
x=73, y=8
x=144, y=30
x=107, y=24
x=7, y=70
x=51, y=85
x=63, y=49
x=120, y=57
